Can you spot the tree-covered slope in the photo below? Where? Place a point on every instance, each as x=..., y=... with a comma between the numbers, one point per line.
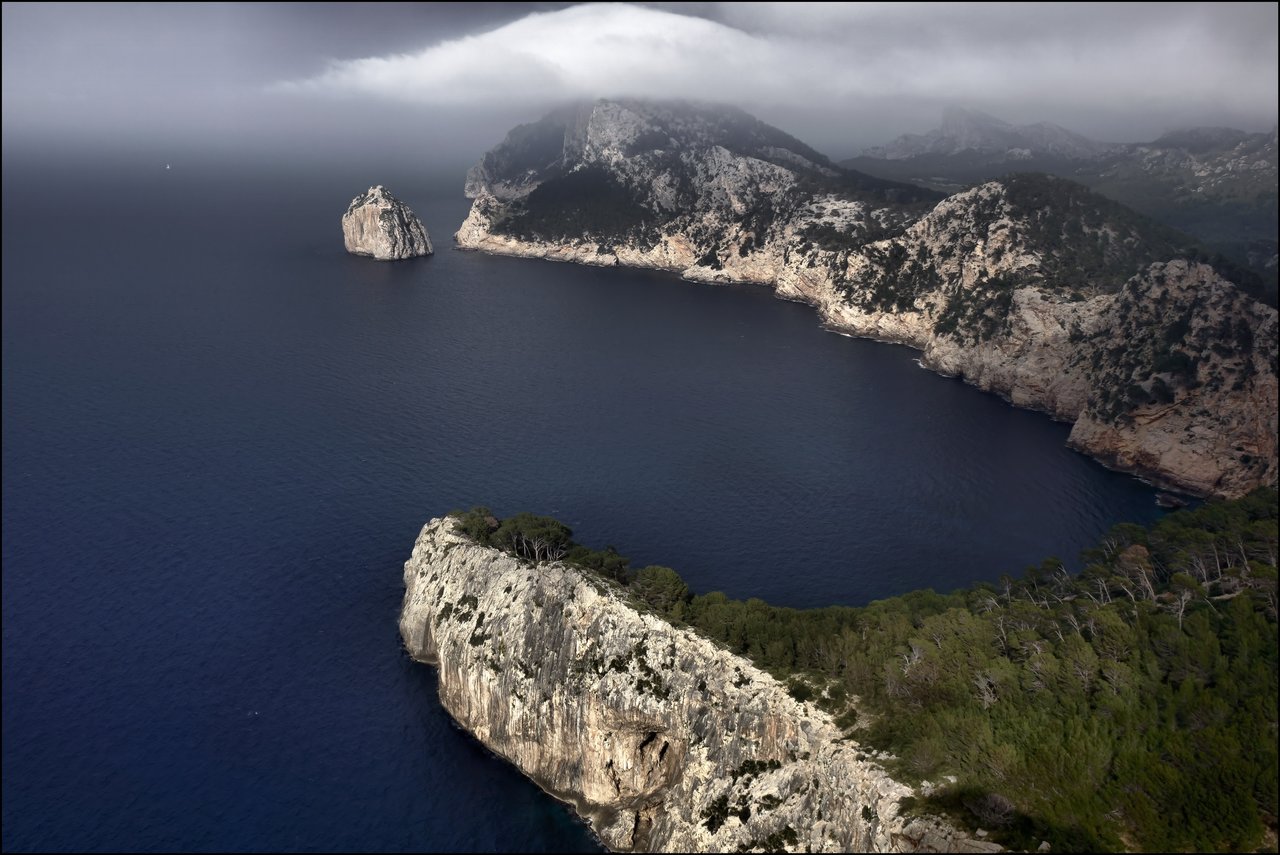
x=1133, y=706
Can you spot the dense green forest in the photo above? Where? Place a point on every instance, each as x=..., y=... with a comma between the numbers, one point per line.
x=1131, y=706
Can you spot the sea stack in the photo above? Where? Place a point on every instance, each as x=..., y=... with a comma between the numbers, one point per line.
x=380, y=225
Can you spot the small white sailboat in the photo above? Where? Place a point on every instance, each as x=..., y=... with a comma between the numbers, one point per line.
x=166, y=166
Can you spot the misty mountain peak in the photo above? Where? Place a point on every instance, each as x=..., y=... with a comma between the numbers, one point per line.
x=612, y=131
x=959, y=119
x=963, y=130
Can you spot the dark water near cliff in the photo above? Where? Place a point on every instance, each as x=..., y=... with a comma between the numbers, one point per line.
x=222, y=434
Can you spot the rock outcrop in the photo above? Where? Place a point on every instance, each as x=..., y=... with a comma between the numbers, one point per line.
x=1183, y=383
x=380, y=225
x=1018, y=286
x=656, y=735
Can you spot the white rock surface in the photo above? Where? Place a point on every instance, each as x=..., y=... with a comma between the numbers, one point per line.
x=378, y=224
x=640, y=726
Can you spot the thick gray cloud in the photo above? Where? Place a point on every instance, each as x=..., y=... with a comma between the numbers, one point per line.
x=840, y=76
x=158, y=76
x=1113, y=70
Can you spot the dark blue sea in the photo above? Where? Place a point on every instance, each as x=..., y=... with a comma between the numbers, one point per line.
x=222, y=435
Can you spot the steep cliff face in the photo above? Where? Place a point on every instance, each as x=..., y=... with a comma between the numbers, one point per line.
x=380, y=225
x=661, y=739
x=1013, y=285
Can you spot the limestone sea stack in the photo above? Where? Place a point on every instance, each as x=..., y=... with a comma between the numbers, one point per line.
x=380, y=225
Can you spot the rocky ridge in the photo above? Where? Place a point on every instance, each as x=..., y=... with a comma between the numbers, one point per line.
x=1218, y=184
x=378, y=224
x=973, y=131
x=656, y=735
x=1208, y=162
x=1204, y=162
x=1021, y=286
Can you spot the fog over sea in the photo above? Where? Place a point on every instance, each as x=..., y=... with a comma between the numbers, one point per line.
x=222, y=434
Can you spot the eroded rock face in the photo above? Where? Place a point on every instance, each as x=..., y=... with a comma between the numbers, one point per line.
x=657, y=736
x=1017, y=286
x=378, y=224
x=1183, y=383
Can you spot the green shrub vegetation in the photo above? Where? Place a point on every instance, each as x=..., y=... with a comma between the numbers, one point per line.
x=1172, y=341
x=1130, y=706
x=1085, y=236
x=588, y=202
x=539, y=538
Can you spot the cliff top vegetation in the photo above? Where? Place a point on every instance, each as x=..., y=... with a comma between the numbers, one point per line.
x=1132, y=706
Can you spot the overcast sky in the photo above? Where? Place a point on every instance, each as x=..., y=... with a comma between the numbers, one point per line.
x=418, y=79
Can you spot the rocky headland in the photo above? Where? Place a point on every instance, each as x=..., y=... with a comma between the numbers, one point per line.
x=378, y=224
x=656, y=735
x=1030, y=287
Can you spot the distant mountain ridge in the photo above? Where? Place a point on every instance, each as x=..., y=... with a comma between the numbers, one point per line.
x=973, y=131
x=1217, y=184
x=1026, y=286
x=655, y=132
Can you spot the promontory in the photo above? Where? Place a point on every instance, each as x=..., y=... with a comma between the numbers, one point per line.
x=662, y=739
x=1031, y=287
x=1128, y=708
x=378, y=224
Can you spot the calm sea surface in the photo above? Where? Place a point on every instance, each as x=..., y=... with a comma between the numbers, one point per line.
x=222, y=435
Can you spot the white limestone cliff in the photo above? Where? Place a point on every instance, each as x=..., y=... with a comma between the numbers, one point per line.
x=664, y=741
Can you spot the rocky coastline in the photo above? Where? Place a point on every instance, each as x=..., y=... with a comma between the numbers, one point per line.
x=659, y=738
x=980, y=282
